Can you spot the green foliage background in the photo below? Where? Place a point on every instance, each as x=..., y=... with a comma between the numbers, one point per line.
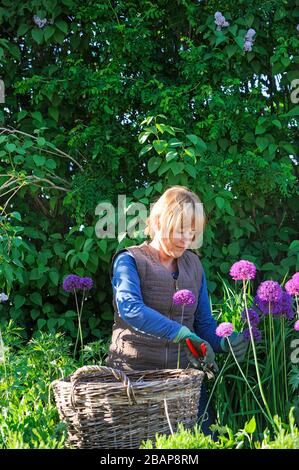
x=130, y=97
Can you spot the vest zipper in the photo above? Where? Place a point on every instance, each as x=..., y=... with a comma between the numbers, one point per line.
x=176, y=288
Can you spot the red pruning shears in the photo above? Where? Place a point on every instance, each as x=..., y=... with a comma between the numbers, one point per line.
x=195, y=353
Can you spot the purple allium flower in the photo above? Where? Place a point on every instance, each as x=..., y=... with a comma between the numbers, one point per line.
x=269, y=291
x=253, y=316
x=296, y=326
x=71, y=282
x=292, y=286
x=220, y=21
x=282, y=307
x=86, y=283
x=242, y=270
x=184, y=297
x=296, y=277
x=3, y=297
x=224, y=329
x=256, y=333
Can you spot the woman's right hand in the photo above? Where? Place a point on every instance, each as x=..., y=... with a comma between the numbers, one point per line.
x=209, y=358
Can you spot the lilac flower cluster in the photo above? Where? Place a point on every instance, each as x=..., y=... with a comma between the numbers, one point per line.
x=296, y=326
x=224, y=329
x=220, y=21
x=292, y=286
x=249, y=40
x=3, y=297
x=242, y=270
x=72, y=281
x=184, y=297
x=40, y=23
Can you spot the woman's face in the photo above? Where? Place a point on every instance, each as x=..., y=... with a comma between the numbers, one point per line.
x=178, y=241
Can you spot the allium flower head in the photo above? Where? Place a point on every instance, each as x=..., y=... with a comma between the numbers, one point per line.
x=296, y=326
x=184, y=297
x=224, y=329
x=292, y=286
x=71, y=282
x=3, y=297
x=269, y=291
x=86, y=283
x=256, y=333
x=254, y=318
x=242, y=270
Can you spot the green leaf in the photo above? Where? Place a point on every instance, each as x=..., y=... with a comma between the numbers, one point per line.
x=19, y=301
x=262, y=143
x=191, y=170
x=144, y=136
x=37, y=115
x=22, y=29
x=62, y=25
x=83, y=257
x=175, y=143
x=294, y=245
x=39, y=160
x=220, y=202
x=171, y=155
x=48, y=32
x=51, y=164
x=160, y=145
x=293, y=112
x=250, y=427
x=10, y=147
x=54, y=276
x=234, y=248
x=231, y=50
x=54, y=113
x=197, y=141
x=154, y=163
x=177, y=168
x=41, y=323
x=145, y=149
x=36, y=298
x=41, y=141
x=38, y=35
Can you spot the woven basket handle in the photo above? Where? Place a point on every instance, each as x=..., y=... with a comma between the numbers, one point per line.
x=118, y=374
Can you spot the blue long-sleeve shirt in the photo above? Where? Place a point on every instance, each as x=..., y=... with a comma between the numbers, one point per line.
x=132, y=309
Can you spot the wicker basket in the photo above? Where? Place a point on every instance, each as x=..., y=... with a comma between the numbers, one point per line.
x=106, y=408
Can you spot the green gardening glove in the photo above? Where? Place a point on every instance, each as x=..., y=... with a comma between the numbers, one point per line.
x=185, y=333
x=238, y=344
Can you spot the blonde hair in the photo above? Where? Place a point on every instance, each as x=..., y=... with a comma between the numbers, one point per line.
x=176, y=204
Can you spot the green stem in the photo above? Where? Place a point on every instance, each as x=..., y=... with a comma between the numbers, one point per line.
x=255, y=357
x=284, y=359
x=212, y=391
x=272, y=343
x=247, y=383
x=179, y=349
x=78, y=313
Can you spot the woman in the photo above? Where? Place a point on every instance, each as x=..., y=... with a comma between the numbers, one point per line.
x=148, y=326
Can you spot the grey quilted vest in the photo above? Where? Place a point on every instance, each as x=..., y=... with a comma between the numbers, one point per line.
x=131, y=350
